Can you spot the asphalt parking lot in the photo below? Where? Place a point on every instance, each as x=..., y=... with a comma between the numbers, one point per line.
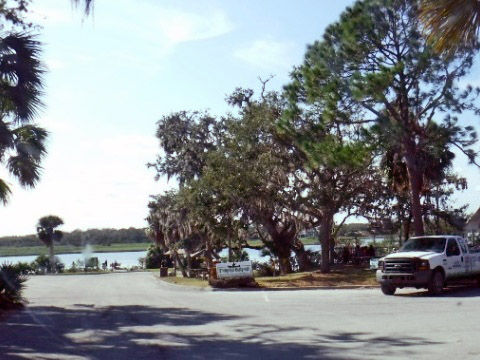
x=137, y=316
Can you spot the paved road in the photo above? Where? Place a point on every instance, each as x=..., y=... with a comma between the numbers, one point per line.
x=136, y=316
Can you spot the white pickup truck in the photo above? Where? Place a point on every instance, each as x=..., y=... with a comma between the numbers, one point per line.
x=428, y=262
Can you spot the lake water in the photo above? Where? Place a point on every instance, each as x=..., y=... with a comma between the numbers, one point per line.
x=126, y=259
x=130, y=258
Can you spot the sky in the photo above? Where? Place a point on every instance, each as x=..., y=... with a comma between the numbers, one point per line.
x=114, y=75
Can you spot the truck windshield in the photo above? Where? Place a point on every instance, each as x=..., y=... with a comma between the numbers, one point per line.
x=425, y=244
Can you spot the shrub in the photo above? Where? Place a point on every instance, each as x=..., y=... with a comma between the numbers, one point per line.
x=24, y=267
x=12, y=282
x=155, y=257
x=263, y=269
x=42, y=262
x=243, y=282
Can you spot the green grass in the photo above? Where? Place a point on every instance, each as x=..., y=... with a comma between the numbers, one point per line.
x=69, y=249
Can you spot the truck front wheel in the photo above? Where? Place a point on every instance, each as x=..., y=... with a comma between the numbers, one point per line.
x=437, y=282
x=388, y=289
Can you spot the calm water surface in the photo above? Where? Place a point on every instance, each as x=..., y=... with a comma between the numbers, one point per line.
x=128, y=259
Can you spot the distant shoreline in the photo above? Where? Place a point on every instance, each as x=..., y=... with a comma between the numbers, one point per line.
x=9, y=251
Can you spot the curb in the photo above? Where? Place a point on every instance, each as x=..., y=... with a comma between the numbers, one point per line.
x=184, y=287
x=341, y=287
x=210, y=289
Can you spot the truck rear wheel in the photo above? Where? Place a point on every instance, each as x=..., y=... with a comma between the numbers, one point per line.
x=388, y=289
x=437, y=282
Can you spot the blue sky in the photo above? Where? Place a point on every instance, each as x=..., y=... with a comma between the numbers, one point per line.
x=111, y=77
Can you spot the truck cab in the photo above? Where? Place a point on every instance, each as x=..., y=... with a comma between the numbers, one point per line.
x=428, y=262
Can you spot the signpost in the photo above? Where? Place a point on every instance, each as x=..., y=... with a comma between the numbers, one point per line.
x=234, y=269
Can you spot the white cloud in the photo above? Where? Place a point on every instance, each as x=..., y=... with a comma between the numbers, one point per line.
x=267, y=54
x=178, y=26
x=162, y=27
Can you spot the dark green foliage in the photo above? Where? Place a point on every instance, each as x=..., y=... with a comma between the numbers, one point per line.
x=43, y=262
x=24, y=267
x=243, y=282
x=156, y=258
x=22, y=143
x=12, y=282
x=185, y=138
x=374, y=71
x=263, y=269
x=46, y=229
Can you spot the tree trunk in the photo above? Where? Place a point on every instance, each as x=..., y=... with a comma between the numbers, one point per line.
x=189, y=263
x=303, y=259
x=283, y=242
x=325, y=236
x=283, y=251
x=179, y=264
x=229, y=240
x=415, y=178
x=52, y=258
x=415, y=183
x=332, y=251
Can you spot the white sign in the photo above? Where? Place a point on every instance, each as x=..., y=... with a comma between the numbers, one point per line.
x=234, y=269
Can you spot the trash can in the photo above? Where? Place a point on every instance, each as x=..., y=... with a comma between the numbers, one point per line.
x=163, y=272
x=212, y=273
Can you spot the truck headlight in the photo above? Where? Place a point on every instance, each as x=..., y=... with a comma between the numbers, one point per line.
x=381, y=265
x=423, y=265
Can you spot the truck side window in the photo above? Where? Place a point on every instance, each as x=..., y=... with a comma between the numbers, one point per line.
x=463, y=246
x=452, y=248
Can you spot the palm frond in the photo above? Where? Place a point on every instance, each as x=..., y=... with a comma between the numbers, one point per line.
x=30, y=141
x=21, y=76
x=86, y=4
x=25, y=169
x=6, y=139
x=451, y=24
x=4, y=192
x=12, y=283
x=50, y=221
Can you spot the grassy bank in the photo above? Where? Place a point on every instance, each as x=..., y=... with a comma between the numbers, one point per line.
x=69, y=249
x=305, y=241
x=339, y=276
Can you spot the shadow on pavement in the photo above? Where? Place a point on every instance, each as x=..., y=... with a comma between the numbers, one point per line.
x=454, y=291
x=142, y=332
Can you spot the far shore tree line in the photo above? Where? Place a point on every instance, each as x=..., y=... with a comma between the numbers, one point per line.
x=81, y=238
x=368, y=126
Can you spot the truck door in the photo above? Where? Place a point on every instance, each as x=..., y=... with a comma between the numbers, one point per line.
x=455, y=259
x=466, y=256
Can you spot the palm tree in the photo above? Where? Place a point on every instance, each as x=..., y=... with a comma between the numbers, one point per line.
x=47, y=233
x=86, y=4
x=451, y=24
x=22, y=143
